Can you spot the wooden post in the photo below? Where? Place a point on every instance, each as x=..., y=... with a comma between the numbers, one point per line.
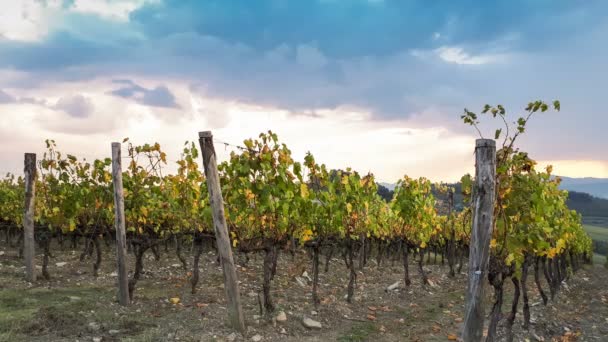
x=221, y=231
x=28, y=217
x=481, y=233
x=119, y=225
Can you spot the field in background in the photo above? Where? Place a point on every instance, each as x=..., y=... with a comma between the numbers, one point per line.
x=599, y=259
x=598, y=221
x=597, y=233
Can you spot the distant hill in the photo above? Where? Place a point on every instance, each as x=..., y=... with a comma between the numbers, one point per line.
x=597, y=187
x=588, y=196
x=389, y=186
x=592, y=208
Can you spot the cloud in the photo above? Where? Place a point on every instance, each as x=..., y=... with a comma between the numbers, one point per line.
x=113, y=10
x=76, y=106
x=26, y=20
x=6, y=98
x=398, y=60
x=159, y=96
x=381, y=28
x=457, y=55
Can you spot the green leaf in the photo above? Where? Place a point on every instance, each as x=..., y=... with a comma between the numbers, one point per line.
x=497, y=133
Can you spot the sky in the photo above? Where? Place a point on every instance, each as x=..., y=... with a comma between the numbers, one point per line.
x=376, y=85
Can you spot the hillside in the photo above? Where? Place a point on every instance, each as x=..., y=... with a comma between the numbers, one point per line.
x=597, y=187
x=592, y=208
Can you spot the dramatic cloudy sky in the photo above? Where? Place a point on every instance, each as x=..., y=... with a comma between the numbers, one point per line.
x=378, y=85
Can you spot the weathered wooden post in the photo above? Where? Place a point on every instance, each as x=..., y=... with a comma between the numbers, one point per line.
x=221, y=231
x=119, y=225
x=481, y=233
x=28, y=217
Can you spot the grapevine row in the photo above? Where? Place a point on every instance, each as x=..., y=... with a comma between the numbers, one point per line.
x=275, y=203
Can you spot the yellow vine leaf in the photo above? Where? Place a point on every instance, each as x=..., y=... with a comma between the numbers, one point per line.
x=304, y=190
x=510, y=259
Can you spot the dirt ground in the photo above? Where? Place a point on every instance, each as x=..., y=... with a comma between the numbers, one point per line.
x=76, y=306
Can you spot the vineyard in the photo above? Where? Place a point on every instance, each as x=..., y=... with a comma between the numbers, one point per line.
x=291, y=224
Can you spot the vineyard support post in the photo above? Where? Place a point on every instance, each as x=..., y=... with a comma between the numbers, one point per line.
x=119, y=225
x=481, y=233
x=28, y=217
x=221, y=231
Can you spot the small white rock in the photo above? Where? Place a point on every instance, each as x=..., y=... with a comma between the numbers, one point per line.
x=281, y=317
x=96, y=339
x=314, y=313
x=61, y=264
x=256, y=338
x=94, y=326
x=393, y=286
x=231, y=337
x=114, y=332
x=301, y=282
x=311, y=324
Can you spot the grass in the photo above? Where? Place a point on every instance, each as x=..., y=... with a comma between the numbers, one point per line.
x=39, y=310
x=599, y=259
x=598, y=221
x=597, y=233
x=40, y=313
x=359, y=332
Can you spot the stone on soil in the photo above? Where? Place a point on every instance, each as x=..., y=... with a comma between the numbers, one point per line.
x=311, y=324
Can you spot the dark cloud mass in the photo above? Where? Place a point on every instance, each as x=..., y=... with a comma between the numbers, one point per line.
x=365, y=27
x=6, y=98
x=76, y=106
x=157, y=97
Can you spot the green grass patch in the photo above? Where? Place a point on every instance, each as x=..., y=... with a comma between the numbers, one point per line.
x=359, y=332
x=599, y=259
x=41, y=311
x=596, y=233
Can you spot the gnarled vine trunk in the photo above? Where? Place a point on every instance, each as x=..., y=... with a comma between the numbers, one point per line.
x=349, y=261
x=511, y=317
x=139, y=250
x=97, y=262
x=406, y=266
x=537, y=280
x=524, y=290
x=425, y=280
x=270, y=258
x=198, y=244
x=178, y=252
x=315, y=274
